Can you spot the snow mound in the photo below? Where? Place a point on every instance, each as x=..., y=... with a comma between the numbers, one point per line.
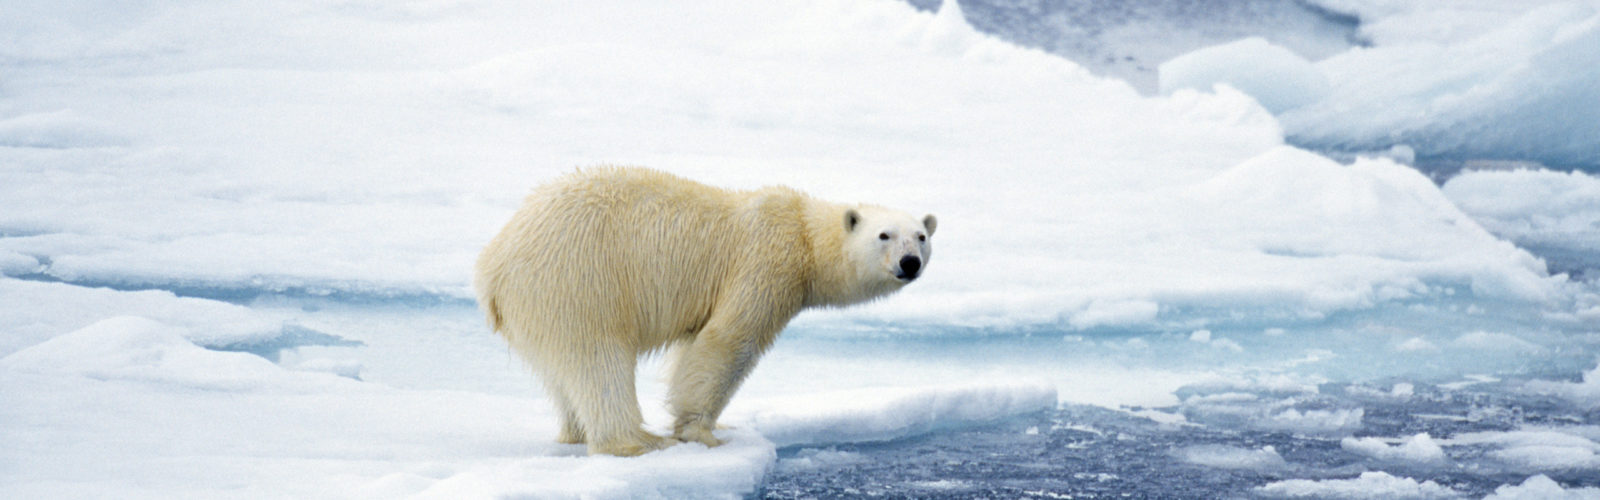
x=1275, y=76
x=1373, y=485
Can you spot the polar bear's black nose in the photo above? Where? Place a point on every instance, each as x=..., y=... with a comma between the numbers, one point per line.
x=909, y=265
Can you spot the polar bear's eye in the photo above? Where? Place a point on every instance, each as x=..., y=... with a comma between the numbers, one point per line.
x=922, y=237
x=883, y=236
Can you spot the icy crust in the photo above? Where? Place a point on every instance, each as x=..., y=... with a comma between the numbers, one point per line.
x=131, y=394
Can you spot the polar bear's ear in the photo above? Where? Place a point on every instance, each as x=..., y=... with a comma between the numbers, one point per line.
x=851, y=218
x=930, y=222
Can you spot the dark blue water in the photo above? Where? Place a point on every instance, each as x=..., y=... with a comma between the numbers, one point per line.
x=1090, y=452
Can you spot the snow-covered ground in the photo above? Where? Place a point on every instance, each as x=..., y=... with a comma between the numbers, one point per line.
x=236, y=239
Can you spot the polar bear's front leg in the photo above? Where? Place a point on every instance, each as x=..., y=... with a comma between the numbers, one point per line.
x=708, y=372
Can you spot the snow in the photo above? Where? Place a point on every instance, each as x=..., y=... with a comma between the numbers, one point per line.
x=1367, y=485
x=236, y=241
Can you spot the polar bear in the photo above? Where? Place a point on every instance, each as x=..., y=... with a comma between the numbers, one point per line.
x=605, y=265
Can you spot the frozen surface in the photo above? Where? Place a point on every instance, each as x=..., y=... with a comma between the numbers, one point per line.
x=236, y=244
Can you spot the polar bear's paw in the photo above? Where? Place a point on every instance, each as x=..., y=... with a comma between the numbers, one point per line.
x=698, y=434
x=632, y=446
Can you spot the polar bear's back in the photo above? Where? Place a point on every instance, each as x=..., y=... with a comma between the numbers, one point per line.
x=613, y=251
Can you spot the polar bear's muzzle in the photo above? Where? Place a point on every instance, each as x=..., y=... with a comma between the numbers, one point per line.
x=910, y=265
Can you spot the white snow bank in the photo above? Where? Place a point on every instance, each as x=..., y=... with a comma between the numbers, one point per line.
x=881, y=414
x=1420, y=448
x=35, y=311
x=1520, y=91
x=1273, y=75
x=1373, y=485
x=1541, y=487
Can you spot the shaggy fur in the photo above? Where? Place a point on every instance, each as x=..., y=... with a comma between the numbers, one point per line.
x=605, y=265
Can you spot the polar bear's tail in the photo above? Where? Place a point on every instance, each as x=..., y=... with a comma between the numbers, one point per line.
x=492, y=310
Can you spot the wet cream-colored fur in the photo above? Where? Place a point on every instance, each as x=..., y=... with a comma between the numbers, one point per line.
x=604, y=265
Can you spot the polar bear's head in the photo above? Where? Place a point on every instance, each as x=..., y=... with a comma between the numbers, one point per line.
x=889, y=248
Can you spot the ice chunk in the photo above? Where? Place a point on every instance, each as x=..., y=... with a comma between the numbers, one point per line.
x=1275, y=76
x=1369, y=485
x=1541, y=487
x=1418, y=449
x=812, y=458
x=1536, y=450
x=886, y=413
x=1229, y=457
x=1585, y=392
